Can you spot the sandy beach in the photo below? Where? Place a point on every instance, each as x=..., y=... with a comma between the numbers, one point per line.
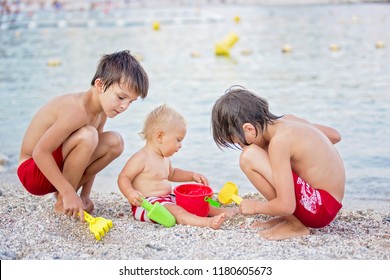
x=30, y=230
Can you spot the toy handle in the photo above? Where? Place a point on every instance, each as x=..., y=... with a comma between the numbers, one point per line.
x=146, y=204
x=87, y=217
x=236, y=199
x=212, y=202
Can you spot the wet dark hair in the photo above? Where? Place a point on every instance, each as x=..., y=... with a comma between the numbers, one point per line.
x=235, y=108
x=122, y=68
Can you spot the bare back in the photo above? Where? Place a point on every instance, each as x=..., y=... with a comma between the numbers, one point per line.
x=312, y=155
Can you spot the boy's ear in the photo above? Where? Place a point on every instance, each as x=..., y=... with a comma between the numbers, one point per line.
x=248, y=127
x=99, y=85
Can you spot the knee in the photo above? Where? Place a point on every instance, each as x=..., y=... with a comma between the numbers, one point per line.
x=246, y=160
x=115, y=143
x=88, y=136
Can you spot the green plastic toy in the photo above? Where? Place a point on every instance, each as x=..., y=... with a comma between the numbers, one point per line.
x=98, y=226
x=212, y=202
x=158, y=213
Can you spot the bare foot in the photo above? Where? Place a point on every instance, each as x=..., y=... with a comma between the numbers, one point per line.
x=217, y=221
x=88, y=204
x=229, y=211
x=284, y=230
x=89, y=207
x=59, y=207
x=268, y=224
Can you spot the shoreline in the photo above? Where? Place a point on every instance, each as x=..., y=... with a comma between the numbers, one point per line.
x=32, y=231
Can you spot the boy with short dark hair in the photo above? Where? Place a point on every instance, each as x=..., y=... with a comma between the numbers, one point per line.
x=65, y=145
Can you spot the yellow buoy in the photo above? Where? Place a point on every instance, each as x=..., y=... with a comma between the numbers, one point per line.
x=195, y=54
x=156, y=26
x=246, y=52
x=334, y=47
x=223, y=47
x=53, y=62
x=286, y=48
x=380, y=44
x=237, y=19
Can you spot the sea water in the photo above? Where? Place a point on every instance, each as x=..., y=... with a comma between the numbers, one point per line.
x=348, y=89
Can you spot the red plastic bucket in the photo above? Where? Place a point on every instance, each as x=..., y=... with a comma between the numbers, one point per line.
x=191, y=198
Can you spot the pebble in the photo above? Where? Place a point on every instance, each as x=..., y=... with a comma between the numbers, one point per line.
x=36, y=232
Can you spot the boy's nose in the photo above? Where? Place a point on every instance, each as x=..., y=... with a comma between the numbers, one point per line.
x=124, y=106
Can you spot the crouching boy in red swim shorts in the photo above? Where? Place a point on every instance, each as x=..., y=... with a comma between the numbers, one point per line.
x=289, y=160
x=65, y=145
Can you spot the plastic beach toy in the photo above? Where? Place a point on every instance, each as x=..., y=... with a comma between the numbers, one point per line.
x=212, y=202
x=192, y=197
x=228, y=194
x=98, y=226
x=158, y=213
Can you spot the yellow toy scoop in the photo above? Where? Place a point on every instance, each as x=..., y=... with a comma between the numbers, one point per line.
x=98, y=226
x=228, y=194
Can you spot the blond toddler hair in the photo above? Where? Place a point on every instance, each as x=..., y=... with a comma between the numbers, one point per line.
x=160, y=119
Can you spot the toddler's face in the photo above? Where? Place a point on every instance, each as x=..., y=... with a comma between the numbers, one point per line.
x=173, y=137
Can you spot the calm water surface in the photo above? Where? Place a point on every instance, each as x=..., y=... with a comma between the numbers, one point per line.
x=348, y=89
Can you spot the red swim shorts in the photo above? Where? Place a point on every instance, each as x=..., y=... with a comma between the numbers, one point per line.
x=139, y=213
x=315, y=208
x=33, y=179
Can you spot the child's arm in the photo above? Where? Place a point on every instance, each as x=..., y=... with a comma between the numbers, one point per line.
x=333, y=135
x=276, y=174
x=87, y=187
x=132, y=169
x=180, y=175
x=60, y=130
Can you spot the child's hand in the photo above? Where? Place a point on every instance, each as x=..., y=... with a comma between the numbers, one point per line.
x=135, y=198
x=199, y=178
x=248, y=206
x=73, y=205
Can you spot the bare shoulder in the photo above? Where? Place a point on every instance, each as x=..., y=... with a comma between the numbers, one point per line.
x=291, y=117
x=135, y=164
x=292, y=125
x=65, y=106
x=57, y=119
x=331, y=133
x=139, y=156
x=70, y=98
x=70, y=104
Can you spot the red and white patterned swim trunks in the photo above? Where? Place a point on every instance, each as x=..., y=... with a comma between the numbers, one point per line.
x=139, y=213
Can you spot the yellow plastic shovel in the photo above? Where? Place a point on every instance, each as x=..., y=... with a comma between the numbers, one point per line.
x=98, y=226
x=228, y=194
